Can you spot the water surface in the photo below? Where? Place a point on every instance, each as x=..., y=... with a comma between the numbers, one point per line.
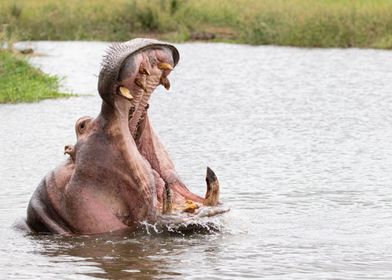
x=301, y=141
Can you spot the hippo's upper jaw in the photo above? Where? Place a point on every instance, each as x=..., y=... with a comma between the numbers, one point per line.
x=140, y=74
x=119, y=173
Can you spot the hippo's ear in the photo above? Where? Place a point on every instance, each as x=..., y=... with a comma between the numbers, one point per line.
x=70, y=150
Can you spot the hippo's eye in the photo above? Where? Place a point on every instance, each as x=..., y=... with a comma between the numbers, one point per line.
x=82, y=127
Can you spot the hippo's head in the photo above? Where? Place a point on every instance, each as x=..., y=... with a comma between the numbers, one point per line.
x=132, y=61
x=119, y=173
x=133, y=70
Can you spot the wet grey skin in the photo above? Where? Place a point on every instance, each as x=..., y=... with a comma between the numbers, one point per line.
x=118, y=175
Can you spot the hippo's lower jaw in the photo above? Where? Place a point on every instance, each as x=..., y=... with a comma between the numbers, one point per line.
x=188, y=215
x=119, y=173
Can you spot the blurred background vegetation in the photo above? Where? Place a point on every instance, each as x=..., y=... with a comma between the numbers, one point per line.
x=20, y=82
x=308, y=23
x=303, y=23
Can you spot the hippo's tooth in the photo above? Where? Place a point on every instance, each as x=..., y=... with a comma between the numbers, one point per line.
x=212, y=194
x=167, y=204
x=164, y=66
x=165, y=82
x=140, y=84
x=144, y=71
x=125, y=93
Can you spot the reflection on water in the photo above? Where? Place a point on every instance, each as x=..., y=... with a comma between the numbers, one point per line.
x=130, y=256
x=114, y=257
x=300, y=140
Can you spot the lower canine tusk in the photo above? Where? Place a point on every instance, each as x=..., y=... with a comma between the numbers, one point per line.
x=167, y=204
x=212, y=194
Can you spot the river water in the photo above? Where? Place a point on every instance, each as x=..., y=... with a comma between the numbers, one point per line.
x=300, y=139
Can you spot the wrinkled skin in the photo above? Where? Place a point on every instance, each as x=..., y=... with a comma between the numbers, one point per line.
x=118, y=173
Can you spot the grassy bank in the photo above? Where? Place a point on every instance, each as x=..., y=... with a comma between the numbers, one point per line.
x=20, y=82
x=310, y=23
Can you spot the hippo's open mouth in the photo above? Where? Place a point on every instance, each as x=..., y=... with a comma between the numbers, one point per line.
x=140, y=74
x=119, y=174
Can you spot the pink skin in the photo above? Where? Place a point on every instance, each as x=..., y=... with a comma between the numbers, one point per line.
x=118, y=168
x=148, y=143
x=154, y=151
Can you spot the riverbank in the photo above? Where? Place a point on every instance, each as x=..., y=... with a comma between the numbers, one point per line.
x=306, y=23
x=20, y=82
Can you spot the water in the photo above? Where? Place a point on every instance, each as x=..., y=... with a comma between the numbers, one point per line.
x=300, y=139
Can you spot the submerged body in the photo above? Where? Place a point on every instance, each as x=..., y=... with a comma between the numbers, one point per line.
x=118, y=173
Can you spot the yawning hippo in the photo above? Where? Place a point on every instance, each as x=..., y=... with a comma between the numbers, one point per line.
x=118, y=173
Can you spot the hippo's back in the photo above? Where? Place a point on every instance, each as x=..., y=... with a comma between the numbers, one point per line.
x=41, y=215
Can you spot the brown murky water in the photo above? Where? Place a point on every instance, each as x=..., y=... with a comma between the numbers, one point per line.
x=301, y=140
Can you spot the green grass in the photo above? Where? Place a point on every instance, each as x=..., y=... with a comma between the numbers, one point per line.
x=304, y=23
x=308, y=23
x=20, y=82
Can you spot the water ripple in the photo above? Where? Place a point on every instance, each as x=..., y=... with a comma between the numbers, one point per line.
x=300, y=140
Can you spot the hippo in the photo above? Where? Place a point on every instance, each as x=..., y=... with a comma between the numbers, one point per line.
x=118, y=175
